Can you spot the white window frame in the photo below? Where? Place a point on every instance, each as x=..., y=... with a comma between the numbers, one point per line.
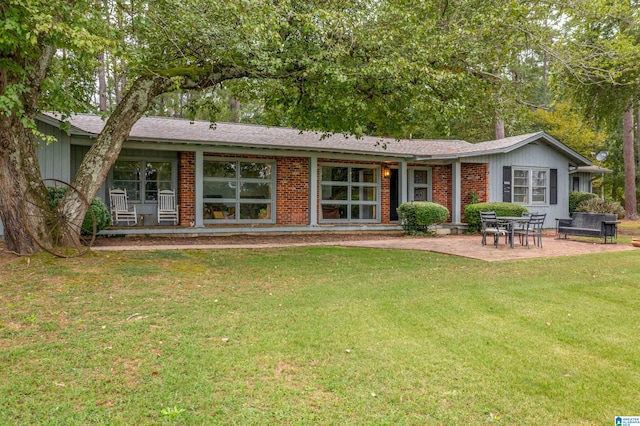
x=237, y=200
x=427, y=186
x=349, y=203
x=530, y=185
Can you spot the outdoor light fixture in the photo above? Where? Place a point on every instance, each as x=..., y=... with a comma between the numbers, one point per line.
x=386, y=172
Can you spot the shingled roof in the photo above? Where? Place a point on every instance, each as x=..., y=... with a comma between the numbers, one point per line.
x=173, y=130
x=162, y=129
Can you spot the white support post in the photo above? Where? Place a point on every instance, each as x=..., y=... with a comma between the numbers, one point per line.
x=199, y=189
x=404, y=182
x=456, y=205
x=313, y=190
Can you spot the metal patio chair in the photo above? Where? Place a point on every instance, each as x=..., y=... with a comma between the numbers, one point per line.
x=490, y=226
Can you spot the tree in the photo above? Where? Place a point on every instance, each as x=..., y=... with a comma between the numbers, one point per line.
x=598, y=70
x=354, y=66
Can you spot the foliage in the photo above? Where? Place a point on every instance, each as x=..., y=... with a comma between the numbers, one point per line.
x=565, y=124
x=418, y=217
x=598, y=205
x=101, y=213
x=578, y=197
x=472, y=213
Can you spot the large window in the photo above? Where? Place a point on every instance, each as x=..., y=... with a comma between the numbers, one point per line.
x=238, y=190
x=349, y=193
x=530, y=186
x=142, y=179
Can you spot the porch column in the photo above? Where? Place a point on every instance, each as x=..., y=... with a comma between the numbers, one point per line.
x=199, y=189
x=403, y=176
x=456, y=184
x=313, y=190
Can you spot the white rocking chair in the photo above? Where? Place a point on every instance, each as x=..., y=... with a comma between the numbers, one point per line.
x=167, y=207
x=119, y=208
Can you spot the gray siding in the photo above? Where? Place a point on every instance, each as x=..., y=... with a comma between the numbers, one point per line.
x=55, y=157
x=533, y=155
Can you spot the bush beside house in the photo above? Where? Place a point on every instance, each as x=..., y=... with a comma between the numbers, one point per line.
x=472, y=213
x=417, y=217
x=578, y=197
x=598, y=205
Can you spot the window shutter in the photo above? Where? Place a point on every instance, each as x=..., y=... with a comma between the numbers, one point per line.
x=553, y=186
x=506, y=184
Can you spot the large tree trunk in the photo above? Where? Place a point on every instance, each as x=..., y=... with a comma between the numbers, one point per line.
x=19, y=171
x=19, y=168
x=630, y=204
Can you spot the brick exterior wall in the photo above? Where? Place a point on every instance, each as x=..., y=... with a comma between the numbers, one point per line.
x=186, y=187
x=292, y=186
x=442, y=187
x=475, y=179
x=292, y=190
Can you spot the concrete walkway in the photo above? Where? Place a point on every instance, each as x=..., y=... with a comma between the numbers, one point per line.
x=457, y=245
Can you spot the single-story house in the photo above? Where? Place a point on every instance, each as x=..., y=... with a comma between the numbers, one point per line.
x=249, y=178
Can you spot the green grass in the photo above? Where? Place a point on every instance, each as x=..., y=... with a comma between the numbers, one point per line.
x=318, y=335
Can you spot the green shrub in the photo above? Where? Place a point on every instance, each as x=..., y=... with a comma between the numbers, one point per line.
x=598, y=205
x=417, y=217
x=100, y=211
x=472, y=213
x=578, y=197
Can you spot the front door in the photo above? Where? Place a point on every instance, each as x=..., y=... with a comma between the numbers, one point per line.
x=394, y=195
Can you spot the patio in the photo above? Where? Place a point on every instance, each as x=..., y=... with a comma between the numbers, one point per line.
x=470, y=246
x=457, y=245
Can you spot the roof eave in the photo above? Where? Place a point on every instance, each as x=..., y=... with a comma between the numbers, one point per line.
x=280, y=147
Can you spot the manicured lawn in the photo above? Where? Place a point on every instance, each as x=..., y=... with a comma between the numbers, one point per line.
x=318, y=335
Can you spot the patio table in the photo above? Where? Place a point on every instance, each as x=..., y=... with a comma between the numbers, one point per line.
x=510, y=222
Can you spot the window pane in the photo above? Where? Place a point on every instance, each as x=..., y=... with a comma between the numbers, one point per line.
x=333, y=192
x=420, y=194
x=157, y=176
x=126, y=175
x=219, y=190
x=255, y=211
x=520, y=195
x=538, y=195
x=255, y=190
x=255, y=171
x=539, y=178
x=126, y=170
x=334, y=211
x=221, y=169
x=359, y=193
x=364, y=175
x=335, y=174
x=420, y=176
x=521, y=178
x=363, y=212
x=219, y=211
